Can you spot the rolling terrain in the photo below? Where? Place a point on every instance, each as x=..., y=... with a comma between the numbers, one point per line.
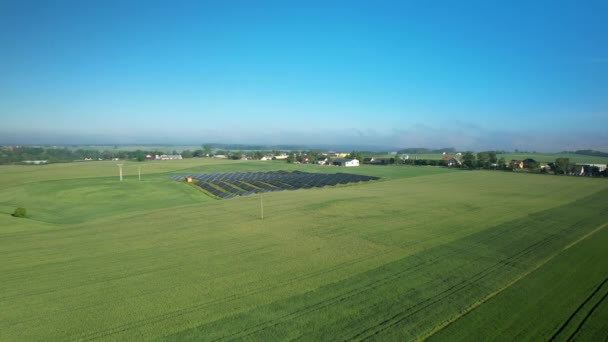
x=422, y=253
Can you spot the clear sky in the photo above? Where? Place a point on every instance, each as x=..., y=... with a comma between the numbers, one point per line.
x=475, y=75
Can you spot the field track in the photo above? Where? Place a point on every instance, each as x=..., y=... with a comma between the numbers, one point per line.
x=495, y=293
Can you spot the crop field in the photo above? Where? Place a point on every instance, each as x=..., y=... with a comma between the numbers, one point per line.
x=421, y=253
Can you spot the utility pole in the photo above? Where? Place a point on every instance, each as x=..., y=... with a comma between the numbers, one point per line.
x=139, y=172
x=120, y=171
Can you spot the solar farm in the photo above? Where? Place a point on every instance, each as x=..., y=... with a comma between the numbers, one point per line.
x=232, y=184
x=424, y=253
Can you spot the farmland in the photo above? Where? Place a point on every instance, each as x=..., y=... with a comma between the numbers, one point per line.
x=423, y=252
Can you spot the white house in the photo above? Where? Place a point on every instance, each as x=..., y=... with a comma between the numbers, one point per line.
x=169, y=157
x=601, y=167
x=322, y=161
x=346, y=162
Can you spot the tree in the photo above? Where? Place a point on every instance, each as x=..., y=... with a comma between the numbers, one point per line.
x=493, y=158
x=502, y=163
x=468, y=160
x=561, y=165
x=534, y=166
x=19, y=212
x=483, y=159
x=257, y=155
x=207, y=150
x=140, y=155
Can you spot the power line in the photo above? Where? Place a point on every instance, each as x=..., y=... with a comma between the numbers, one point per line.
x=120, y=171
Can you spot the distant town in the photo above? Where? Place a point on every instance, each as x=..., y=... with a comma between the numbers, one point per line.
x=578, y=163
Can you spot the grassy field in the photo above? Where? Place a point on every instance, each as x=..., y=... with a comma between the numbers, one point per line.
x=423, y=253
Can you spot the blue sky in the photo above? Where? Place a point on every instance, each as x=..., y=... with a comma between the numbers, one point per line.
x=476, y=75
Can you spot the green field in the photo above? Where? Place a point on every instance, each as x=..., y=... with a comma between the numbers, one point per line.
x=422, y=253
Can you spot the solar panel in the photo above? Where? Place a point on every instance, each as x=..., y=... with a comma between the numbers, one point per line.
x=232, y=184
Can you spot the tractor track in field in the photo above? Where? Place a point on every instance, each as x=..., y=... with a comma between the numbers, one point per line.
x=578, y=309
x=377, y=283
x=582, y=323
x=393, y=277
x=403, y=315
x=326, y=303
x=387, y=324
x=200, y=306
x=246, y=248
x=173, y=266
x=500, y=290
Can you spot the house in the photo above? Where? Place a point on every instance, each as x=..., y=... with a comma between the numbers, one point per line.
x=322, y=161
x=345, y=162
x=528, y=162
x=266, y=158
x=586, y=167
x=333, y=154
x=168, y=157
x=281, y=156
x=516, y=164
x=450, y=161
x=376, y=161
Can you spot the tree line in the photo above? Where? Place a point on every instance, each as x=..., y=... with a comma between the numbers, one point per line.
x=12, y=155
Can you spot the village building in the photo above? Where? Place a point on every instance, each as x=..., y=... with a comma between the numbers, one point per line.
x=450, y=161
x=516, y=164
x=168, y=157
x=345, y=162
x=376, y=161
x=322, y=161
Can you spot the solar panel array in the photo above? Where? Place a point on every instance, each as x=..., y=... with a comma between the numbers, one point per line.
x=228, y=185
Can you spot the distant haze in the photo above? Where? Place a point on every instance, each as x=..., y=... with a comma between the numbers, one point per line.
x=528, y=75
